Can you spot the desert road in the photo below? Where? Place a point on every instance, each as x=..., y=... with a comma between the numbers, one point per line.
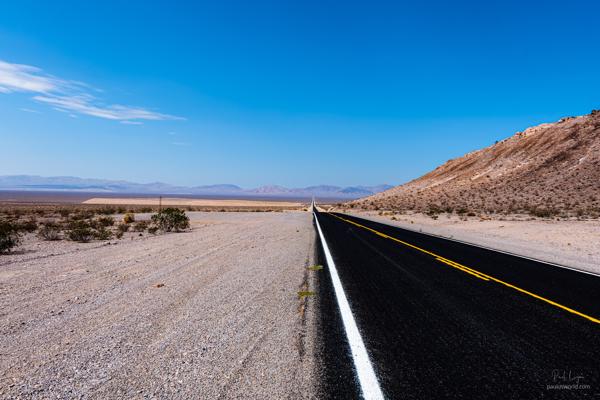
x=411, y=316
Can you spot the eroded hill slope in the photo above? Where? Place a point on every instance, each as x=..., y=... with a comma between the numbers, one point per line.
x=545, y=170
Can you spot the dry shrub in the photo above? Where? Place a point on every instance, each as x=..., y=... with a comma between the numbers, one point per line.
x=80, y=231
x=128, y=218
x=121, y=229
x=140, y=226
x=106, y=221
x=50, y=231
x=101, y=233
x=171, y=219
x=29, y=225
x=107, y=210
x=64, y=212
x=9, y=236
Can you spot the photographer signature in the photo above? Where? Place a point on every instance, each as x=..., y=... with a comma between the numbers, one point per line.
x=562, y=375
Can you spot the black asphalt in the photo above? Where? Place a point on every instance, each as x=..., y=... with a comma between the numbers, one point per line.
x=434, y=332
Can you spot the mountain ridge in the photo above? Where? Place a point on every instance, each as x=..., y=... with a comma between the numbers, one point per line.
x=72, y=183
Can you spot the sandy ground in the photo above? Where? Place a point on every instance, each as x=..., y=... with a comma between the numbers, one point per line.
x=570, y=243
x=211, y=313
x=171, y=201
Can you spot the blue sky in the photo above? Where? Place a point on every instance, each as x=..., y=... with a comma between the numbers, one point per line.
x=289, y=93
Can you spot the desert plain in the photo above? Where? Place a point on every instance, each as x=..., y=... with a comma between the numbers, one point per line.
x=213, y=312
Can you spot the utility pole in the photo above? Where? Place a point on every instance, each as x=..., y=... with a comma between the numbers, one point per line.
x=159, y=203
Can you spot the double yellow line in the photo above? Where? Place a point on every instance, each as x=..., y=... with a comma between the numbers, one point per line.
x=468, y=270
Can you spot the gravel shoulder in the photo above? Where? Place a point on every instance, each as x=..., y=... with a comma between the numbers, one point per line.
x=570, y=243
x=210, y=313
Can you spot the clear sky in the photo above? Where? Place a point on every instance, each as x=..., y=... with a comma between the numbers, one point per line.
x=280, y=92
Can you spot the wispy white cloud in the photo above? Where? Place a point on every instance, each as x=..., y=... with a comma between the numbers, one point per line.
x=25, y=78
x=180, y=144
x=70, y=96
x=29, y=110
x=85, y=104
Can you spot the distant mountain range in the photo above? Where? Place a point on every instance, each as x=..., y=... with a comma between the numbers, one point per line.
x=70, y=183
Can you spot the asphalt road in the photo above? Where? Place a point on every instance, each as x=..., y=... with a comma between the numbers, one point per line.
x=441, y=319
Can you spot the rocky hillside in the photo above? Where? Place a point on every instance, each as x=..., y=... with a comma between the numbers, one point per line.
x=550, y=169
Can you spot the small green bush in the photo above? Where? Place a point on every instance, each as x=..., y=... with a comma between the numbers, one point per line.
x=433, y=210
x=171, y=219
x=107, y=210
x=9, y=236
x=106, y=221
x=28, y=226
x=121, y=229
x=128, y=218
x=140, y=226
x=64, y=212
x=49, y=231
x=541, y=212
x=102, y=233
x=80, y=231
x=82, y=215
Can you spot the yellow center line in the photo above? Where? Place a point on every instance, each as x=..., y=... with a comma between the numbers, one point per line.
x=462, y=269
x=469, y=270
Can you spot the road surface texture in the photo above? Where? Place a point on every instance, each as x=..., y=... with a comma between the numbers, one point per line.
x=441, y=319
x=206, y=314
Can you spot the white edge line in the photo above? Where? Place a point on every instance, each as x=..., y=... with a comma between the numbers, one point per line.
x=478, y=245
x=369, y=384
